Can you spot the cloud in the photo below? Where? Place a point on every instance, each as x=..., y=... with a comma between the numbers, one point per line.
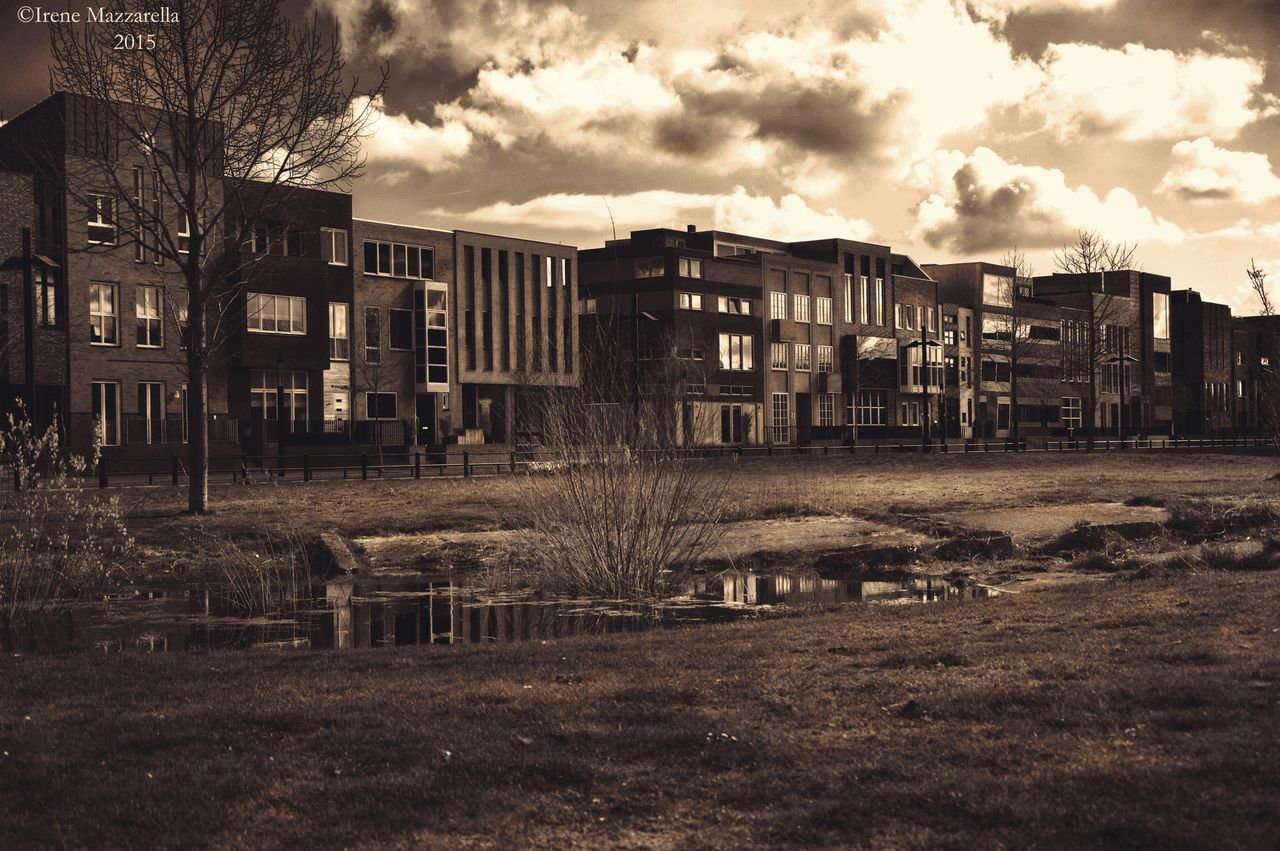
x=1139, y=93
x=399, y=139
x=1204, y=172
x=981, y=202
x=739, y=211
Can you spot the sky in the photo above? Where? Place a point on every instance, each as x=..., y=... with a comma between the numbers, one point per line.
x=947, y=130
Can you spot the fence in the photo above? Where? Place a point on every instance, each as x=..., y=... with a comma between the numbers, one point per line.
x=419, y=464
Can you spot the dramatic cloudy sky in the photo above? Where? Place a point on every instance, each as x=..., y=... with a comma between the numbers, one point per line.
x=947, y=129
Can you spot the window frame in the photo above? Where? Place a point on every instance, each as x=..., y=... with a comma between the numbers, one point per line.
x=257, y=316
x=96, y=288
x=157, y=309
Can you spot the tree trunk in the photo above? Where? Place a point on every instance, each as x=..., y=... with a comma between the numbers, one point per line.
x=197, y=399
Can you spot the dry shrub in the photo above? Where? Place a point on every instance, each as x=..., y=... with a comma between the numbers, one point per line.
x=60, y=539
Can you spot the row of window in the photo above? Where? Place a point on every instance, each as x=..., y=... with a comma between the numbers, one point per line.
x=149, y=309
x=152, y=422
x=694, y=301
x=800, y=307
x=780, y=357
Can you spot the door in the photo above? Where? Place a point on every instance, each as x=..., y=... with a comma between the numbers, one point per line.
x=151, y=410
x=804, y=418
x=426, y=412
x=1002, y=418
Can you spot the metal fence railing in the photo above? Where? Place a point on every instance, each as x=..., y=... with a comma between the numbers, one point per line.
x=410, y=463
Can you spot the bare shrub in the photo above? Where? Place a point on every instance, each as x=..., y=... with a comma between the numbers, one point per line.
x=620, y=498
x=268, y=575
x=60, y=541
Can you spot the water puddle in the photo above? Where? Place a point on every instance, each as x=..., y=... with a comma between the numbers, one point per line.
x=398, y=610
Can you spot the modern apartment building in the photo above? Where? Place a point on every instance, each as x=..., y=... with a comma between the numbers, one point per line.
x=1203, y=365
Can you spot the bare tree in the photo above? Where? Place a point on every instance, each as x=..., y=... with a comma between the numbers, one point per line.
x=1258, y=283
x=228, y=112
x=1091, y=254
x=1268, y=389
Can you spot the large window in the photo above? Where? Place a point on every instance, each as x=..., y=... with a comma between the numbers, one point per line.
x=1160, y=316
x=394, y=259
x=265, y=388
x=691, y=301
x=1071, y=412
x=690, y=268
x=150, y=325
x=848, y=298
x=869, y=408
x=276, y=314
x=645, y=267
x=45, y=291
x=997, y=290
x=104, y=316
x=826, y=358
x=102, y=220
x=781, y=429
x=826, y=409
x=380, y=406
x=401, y=329
x=778, y=355
x=804, y=357
x=777, y=305
x=106, y=411
x=736, y=306
x=432, y=364
x=880, y=301
x=151, y=410
x=333, y=246
x=864, y=290
x=339, y=331
x=822, y=306
x=372, y=335
x=735, y=352
x=800, y=305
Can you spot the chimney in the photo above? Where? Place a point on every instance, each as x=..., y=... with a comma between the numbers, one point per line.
x=692, y=228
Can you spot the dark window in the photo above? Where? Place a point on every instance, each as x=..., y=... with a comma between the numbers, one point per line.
x=401, y=329
x=380, y=406
x=371, y=257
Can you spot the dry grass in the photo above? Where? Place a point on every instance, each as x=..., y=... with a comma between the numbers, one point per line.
x=1142, y=714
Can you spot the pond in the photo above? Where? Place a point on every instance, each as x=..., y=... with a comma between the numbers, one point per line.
x=394, y=610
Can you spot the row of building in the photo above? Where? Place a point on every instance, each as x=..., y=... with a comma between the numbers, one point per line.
x=344, y=330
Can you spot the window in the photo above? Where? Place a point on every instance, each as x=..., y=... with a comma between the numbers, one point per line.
x=267, y=385
x=736, y=306
x=401, y=330
x=333, y=246
x=1160, y=316
x=106, y=411
x=910, y=414
x=997, y=290
x=1045, y=332
x=372, y=335
x=826, y=409
x=102, y=220
x=804, y=357
x=848, y=298
x=1239, y=389
x=690, y=268
x=949, y=336
x=291, y=243
x=104, y=319
x=435, y=367
x=589, y=306
x=150, y=327
x=339, y=331
x=180, y=306
x=380, y=406
x=649, y=267
x=823, y=308
x=151, y=410
x=1071, y=412
x=966, y=367
x=731, y=421
x=778, y=355
x=997, y=328
x=864, y=289
x=276, y=314
x=184, y=232
x=826, y=358
x=390, y=259
x=691, y=301
x=781, y=430
x=258, y=239
x=777, y=305
x=690, y=353
x=905, y=317
x=735, y=352
x=869, y=408
x=995, y=370
x=45, y=295
x=550, y=274
x=880, y=301
x=800, y=305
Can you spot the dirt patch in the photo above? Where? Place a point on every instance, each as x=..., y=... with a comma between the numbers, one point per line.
x=1033, y=523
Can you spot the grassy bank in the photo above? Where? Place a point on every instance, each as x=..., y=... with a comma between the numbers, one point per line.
x=1131, y=714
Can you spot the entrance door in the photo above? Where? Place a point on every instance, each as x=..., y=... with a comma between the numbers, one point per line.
x=1002, y=418
x=804, y=418
x=426, y=419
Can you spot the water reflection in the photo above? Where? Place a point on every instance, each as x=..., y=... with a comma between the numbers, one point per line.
x=381, y=611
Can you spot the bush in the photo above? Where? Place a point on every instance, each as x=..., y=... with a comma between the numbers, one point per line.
x=61, y=541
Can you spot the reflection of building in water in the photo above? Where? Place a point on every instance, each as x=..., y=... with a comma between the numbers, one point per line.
x=752, y=589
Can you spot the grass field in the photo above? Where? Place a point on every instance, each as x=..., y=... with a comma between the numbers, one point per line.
x=1133, y=714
